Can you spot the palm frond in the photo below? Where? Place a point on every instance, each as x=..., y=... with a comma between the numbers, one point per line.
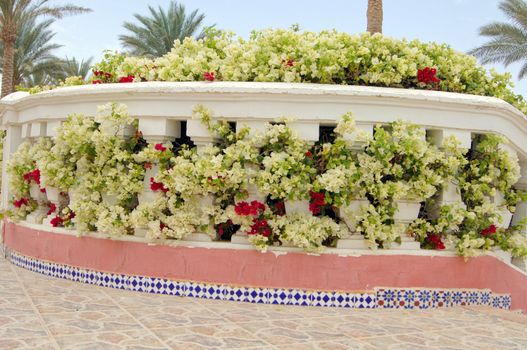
x=507, y=41
x=154, y=35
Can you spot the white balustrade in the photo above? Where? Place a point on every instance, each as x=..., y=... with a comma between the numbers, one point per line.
x=160, y=106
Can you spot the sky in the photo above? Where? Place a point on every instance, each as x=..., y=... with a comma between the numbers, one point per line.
x=454, y=22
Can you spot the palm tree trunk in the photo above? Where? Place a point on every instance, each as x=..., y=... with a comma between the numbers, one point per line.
x=374, y=15
x=9, y=39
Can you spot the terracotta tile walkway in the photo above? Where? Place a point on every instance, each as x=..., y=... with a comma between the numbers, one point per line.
x=38, y=312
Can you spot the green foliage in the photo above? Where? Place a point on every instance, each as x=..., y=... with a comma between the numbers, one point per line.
x=155, y=34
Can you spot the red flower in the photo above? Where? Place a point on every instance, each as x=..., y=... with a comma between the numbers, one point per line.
x=128, y=79
x=147, y=165
x=242, y=208
x=209, y=76
x=427, y=75
x=259, y=206
x=157, y=186
x=71, y=215
x=435, y=241
x=279, y=208
x=108, y=75
x=97, y=73
x=489, y=230
x=160, y=147
x=21, y=202
x=246, y=209
x=56, y=221
x=316, y=202
x=33, y=175
x=43, y=190
x=52, y=207
x=309, y=154
x=317, y=198
x=314, y=209
x=97, y=81
x=260, y=227
x=289, y=62
x=162, y=226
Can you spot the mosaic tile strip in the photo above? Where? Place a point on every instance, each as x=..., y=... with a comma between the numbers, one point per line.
x=399, y=298
x=421, y=298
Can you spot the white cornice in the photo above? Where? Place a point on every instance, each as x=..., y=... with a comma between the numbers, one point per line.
x=247, y=100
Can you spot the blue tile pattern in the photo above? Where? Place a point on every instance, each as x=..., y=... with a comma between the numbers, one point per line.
x=403, y=298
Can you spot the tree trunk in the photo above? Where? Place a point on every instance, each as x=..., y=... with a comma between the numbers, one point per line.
x=8, y=36
x=7, y=68
x=374, y=15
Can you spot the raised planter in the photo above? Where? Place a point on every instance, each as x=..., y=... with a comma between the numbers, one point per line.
x=347, y=213
x=297, y=206
x=407, y=211
x=35, y=193
x=110, y=199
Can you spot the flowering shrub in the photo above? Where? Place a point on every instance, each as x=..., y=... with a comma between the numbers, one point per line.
x=487, y=169
x=286, y=171
x=264, y=228
x=326, y=57
x=490, y=169
x=205, y=189
x=338, y=173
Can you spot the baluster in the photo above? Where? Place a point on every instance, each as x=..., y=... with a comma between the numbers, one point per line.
x=309, y=132
x=154, y=131
x=35, y=131
x=202, y=138
x=450, y=193
x=255, y=127
x=53, y=194
x=199, y=134
x=12, y=140
x=353, y=240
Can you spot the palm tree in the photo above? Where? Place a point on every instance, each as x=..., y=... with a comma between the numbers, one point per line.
x=34, y=52
x=507, y=40
x=155, y=34
x=15, y=11
x=38, y=79
x=374, y=15
x=70, y=67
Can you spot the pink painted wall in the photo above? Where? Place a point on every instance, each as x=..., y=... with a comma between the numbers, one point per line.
x=252, y=268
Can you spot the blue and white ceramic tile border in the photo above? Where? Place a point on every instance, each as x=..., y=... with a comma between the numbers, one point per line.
x=403, y=298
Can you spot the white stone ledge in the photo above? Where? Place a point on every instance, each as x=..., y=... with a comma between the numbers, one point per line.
x=169, y=88
x=242, y=101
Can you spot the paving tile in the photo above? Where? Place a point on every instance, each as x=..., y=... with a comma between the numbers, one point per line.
x=21, y=326
x=112, y=341
x=41, y=343
x=247, y=312
x=175, y=315
x=280, y=332
x=89, y=322
x=134, y=300
x=222, y=336
x=83, y=316
x=351, y=344
x=73, y=302
x=15, y=304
